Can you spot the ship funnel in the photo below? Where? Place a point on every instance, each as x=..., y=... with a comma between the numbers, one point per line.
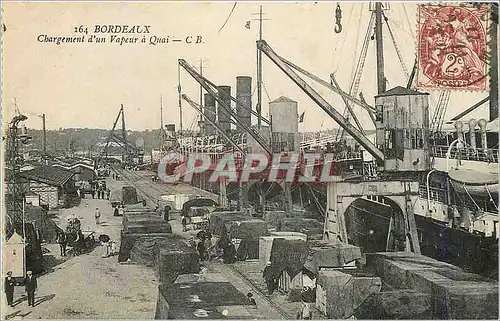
x=244, y=98
x=472, y=133
x=209, y=113
x=223, y=119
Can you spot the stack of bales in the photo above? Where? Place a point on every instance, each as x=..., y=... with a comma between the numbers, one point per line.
x=129, y=195
x=246, y=229
x=147, y=239
x=139, y=223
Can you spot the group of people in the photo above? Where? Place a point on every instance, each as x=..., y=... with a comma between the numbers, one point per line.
x=109, y=248
x=208, y=250
x=102, y=193
x=118, y=210
x=30, y=286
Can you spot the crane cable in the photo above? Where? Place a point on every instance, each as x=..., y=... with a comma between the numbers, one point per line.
x=353, y=90
x=344, y=37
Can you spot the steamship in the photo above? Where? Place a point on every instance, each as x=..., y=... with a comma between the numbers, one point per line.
x=456, y=213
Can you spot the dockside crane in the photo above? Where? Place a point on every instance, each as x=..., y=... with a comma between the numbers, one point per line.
x=316, y=97
x=127, y=146
x=403, y=188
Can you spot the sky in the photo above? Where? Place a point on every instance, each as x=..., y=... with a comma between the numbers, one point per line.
x=82, y=85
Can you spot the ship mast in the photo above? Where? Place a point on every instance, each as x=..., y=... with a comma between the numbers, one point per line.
x=380, y=48
x=259, y=74
x=162, y=132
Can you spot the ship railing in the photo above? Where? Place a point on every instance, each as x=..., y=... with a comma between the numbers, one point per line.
x=436, y=194
x=481, y=155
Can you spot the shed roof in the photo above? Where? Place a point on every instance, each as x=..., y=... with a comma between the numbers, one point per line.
x=283, y=99
x=400, y=91
x=54, y=176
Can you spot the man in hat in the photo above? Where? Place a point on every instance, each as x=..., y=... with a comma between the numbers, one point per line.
x=30, y=285
x=97, y=215
x=9, y=288
x=269, y=278
x=250, y=298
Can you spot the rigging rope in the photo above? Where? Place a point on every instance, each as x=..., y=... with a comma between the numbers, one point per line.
x=398, y=52
x=318, y=205
x=491, y=198
x=353, y=90
x=265, y=89
x=229, y=16
x=470, y=196
x=408, y=20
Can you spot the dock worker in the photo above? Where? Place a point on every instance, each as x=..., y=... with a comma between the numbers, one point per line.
x=9, y=284
x=97, y=215
x=61, y=239
x=251, y=299
x=305, y=312
x=269, y=278
x=30, y=286
x=184, y=223
x=166, y=213
x=202, y=251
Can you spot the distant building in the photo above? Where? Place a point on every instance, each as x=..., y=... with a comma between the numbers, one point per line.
x=83, y=172
x=50, y=183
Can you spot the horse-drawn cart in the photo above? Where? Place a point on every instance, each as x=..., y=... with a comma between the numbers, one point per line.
x=77, y=239
x=88, y=239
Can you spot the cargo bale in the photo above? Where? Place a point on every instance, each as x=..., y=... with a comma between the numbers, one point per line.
x=218, y=220
x=396, y=305
x=128, y=240
x=330, y=255
x=173, y=262
x=145, y=249
x=289, y=256
x=205, y=300
x=338, y=294
x=129, y=195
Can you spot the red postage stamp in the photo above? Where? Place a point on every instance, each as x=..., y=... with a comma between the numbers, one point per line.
x=452, y=47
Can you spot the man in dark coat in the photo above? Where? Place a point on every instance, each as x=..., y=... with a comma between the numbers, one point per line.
x=269, y=278
x=166, y=213
x=30, y=285
x=61, y=239
x=9, y=288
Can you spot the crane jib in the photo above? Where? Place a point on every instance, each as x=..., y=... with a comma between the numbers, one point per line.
x=356, y=134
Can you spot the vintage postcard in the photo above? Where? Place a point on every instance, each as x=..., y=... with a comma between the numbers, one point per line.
x=249, y=160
